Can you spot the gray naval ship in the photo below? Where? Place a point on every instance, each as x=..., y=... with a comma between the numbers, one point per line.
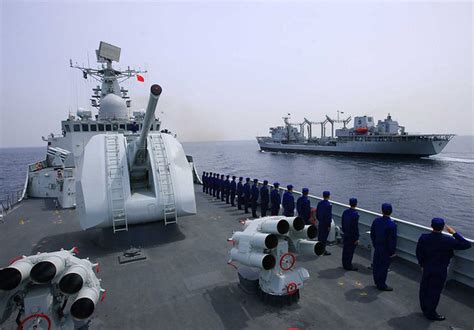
x=120, y=259
x=364, y=138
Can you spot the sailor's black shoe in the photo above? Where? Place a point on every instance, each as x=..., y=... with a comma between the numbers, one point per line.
x=326, y=253
x=386, y=288
x=435, y=317
x=351, y=268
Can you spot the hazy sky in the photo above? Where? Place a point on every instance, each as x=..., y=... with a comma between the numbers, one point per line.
x=231, y=70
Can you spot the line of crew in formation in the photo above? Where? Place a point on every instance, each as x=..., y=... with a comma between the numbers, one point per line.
x=433, y=251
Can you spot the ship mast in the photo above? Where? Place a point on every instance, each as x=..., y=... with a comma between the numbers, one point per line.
x=109, y=77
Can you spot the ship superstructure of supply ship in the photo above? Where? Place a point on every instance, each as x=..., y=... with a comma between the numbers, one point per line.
x=365, y=138
x=117, y=169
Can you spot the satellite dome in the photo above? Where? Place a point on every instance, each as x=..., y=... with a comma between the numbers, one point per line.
x=113, y=107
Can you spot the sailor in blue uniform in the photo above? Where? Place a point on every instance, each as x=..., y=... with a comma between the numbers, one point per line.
x=303, y=206
x=324, y=216
x=246, y=195
x=275, y=199
x=216, y=182
x=350, y=229
x=208, y=175
x=383, y=233
x=217, y=188
x=254, y=198
x=433, y=251
x=288, y=202
x=240, y=193
x=204, y=177
x=227, y=189
x=223, y=184
x=135, y=128
x=232, y=189
x=264, y=198
x=213, y=185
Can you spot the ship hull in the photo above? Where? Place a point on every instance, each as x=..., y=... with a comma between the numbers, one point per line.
x=389, y=148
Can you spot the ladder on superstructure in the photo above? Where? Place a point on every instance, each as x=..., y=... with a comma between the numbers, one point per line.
x=115, y=183
x=164, y=179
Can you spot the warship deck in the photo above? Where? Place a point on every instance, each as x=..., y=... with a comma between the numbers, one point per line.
x=185, y=282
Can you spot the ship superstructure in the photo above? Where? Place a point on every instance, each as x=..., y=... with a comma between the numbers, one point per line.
x=386, y=137
x=123, y=168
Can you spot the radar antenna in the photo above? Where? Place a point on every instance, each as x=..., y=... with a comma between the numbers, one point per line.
x=109, y=77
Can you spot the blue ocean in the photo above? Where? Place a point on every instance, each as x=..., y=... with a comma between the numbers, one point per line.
x=419, y=189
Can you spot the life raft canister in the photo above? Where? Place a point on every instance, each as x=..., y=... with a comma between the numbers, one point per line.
x=361, y=130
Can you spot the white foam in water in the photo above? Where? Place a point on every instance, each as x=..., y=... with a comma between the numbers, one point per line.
x=452, y=159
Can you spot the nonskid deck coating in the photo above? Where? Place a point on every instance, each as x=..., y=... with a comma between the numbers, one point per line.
x=185, y=282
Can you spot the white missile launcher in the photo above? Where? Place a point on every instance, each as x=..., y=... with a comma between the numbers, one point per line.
x=44, y=286
x=266, y=250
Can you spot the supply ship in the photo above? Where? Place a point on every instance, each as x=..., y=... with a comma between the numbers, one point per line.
x=113, y=193
x=365, y=138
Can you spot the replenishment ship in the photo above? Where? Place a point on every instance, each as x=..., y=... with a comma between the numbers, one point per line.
x=366, y=138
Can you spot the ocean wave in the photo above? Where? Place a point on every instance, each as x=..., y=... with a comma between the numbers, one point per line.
x=452, y=159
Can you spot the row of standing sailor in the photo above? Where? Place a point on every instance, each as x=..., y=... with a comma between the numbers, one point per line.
x=434, y=250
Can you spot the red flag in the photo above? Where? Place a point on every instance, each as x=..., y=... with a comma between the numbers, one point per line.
x=140, y=78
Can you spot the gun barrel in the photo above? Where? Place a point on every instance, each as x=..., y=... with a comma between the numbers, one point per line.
x=155, y=92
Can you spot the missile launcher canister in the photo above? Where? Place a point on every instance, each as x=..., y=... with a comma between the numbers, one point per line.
x=266, y=252
x=53, y=290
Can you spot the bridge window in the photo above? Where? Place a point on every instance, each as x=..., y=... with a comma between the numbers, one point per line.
x=67, y=128
x=101, y=127
x=77, y=128
x=93, y=127
x=151, y=127
x=108, y=127
x=129, y=127
x=122, y=126
x=115, y=127
x=85, y=128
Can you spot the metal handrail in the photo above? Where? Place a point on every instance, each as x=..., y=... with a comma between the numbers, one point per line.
x=408, y=233
x=462, y=265
x=13, y=198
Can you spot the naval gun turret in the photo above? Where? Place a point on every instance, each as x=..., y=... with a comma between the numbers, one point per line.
x=266, y=250
x=127, y=180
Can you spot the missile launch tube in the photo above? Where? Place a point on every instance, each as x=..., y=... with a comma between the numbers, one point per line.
x=278, y=227
x=47, y=269
x=13, y=275
x=260, y=240
x=84, y=305
x=252, y=259
x=308, y=232
x=296, y=223
x=306, y=247
x=73, y=280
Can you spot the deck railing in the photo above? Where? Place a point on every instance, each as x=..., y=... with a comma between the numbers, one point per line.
x=13, y=198
x=462, y=265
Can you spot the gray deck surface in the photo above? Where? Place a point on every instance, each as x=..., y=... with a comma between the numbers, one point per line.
x=185, y=282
